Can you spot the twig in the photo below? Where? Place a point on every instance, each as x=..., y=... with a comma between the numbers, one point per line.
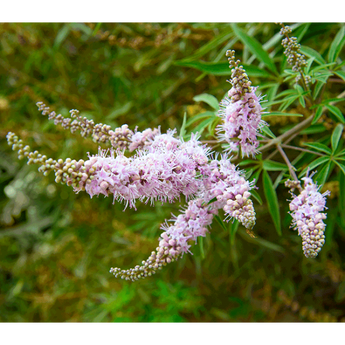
x=300, y=149
x=286, y=159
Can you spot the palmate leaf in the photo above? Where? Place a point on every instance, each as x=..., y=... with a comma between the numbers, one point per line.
x=272, y=201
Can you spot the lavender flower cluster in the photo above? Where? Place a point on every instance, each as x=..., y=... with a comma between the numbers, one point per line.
x=240, y=112
x=220, y=180
x=165, y=167
x=162, y=168
x=307, y=217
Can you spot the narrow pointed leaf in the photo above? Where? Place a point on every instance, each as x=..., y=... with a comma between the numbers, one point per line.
x=336, y=112
x=317, y=115
x=336, y=45
x=342, y=168
x=314, y=164
x=313, y=53
x=322, y=176
x=272, y=201
x=319, y=147
x=273, y=166
x=255, y=47
x=336, y=135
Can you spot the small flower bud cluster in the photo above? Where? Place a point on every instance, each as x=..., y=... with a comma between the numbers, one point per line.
x=293, y=53
x=239, y=78
x=294, y=57
x=143, y=139
x=34, y=157
x=157, y=260
x=307, y=218
x=74, y=173
x=119, y=138
x=173, y=243
x=71, y=172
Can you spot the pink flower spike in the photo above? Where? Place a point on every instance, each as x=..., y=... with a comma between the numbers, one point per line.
x=307, y=217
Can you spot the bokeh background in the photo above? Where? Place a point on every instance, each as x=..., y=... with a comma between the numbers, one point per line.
x=56, y=247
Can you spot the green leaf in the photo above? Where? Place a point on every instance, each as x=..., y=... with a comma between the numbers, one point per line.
x=209, y=99
x=233, y=229
x=336, y=135
x=287, y=102
x=336, y=45
x=341, y=153
x=120, y=111
x=183, y=127
x=319, y=147
x=254, y=71
x=321, y=177
x=218, y=40
x=215, y=68
x=342, y=168
x=317, y=115
x=317, y=89
x=272, y=201
x=265, y=130
x=318, y=128
x=278, y=113
x=340, y=74
x=314, y=164
x=333, y=100
x=255, y=47
x=199, y=117
x=342, y=195
x=201, y=246
x=261, y=242
x=97, y=27
x=222, y=68
x=273, y=166
x=201, y=126
x=220, y=222
x=336, y=112
x=61, y=36
x=313, y=54
x=256, y=196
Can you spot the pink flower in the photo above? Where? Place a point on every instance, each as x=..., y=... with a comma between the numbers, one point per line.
x=241, y=120
x=307, y=217
x=163, y=170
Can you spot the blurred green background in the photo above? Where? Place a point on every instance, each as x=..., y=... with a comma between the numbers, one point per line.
x=56, y=248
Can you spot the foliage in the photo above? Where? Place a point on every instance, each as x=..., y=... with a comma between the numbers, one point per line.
x=56, y=247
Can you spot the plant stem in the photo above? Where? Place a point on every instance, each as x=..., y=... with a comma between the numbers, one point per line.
x=300, y=149
x=298, y=128
x=286, y=159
